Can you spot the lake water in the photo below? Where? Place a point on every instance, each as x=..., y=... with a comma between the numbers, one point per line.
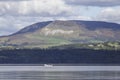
x=60, y=73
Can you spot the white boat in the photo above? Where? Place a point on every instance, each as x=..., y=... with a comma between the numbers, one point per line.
x=48, y=65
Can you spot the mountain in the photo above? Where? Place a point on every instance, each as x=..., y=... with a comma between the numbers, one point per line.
x=55, y=33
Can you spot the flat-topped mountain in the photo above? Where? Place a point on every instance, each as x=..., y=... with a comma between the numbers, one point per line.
x=55, y=33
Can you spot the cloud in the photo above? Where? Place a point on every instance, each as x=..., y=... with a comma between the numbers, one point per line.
x=6, y=27
x=35, y=8
x=74, y=18
x=99, y=3
x=109, y=14
x=14, y=0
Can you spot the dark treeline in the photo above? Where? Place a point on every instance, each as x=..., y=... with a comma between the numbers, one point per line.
x=56, y=56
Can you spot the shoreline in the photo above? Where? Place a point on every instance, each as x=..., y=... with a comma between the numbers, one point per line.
x=60, y=64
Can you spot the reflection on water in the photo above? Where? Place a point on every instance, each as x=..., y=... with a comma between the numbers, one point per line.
x=83, y=75
x=59, y=75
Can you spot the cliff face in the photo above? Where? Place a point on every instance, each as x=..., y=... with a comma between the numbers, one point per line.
x=52, y=33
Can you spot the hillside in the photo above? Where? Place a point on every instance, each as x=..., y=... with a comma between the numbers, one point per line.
x=56, y=33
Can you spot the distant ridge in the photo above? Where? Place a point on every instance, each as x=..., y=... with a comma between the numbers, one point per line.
x=55, y=33
x=32, y=27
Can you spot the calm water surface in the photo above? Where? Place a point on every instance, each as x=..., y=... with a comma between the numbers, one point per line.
x=60, y=73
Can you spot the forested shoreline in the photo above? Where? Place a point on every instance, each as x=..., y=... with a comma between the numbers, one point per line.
x=59, y=56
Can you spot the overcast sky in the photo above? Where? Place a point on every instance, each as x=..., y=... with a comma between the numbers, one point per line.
x=16, y=14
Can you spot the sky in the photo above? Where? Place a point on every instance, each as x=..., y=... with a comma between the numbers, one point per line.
x=17, y=14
